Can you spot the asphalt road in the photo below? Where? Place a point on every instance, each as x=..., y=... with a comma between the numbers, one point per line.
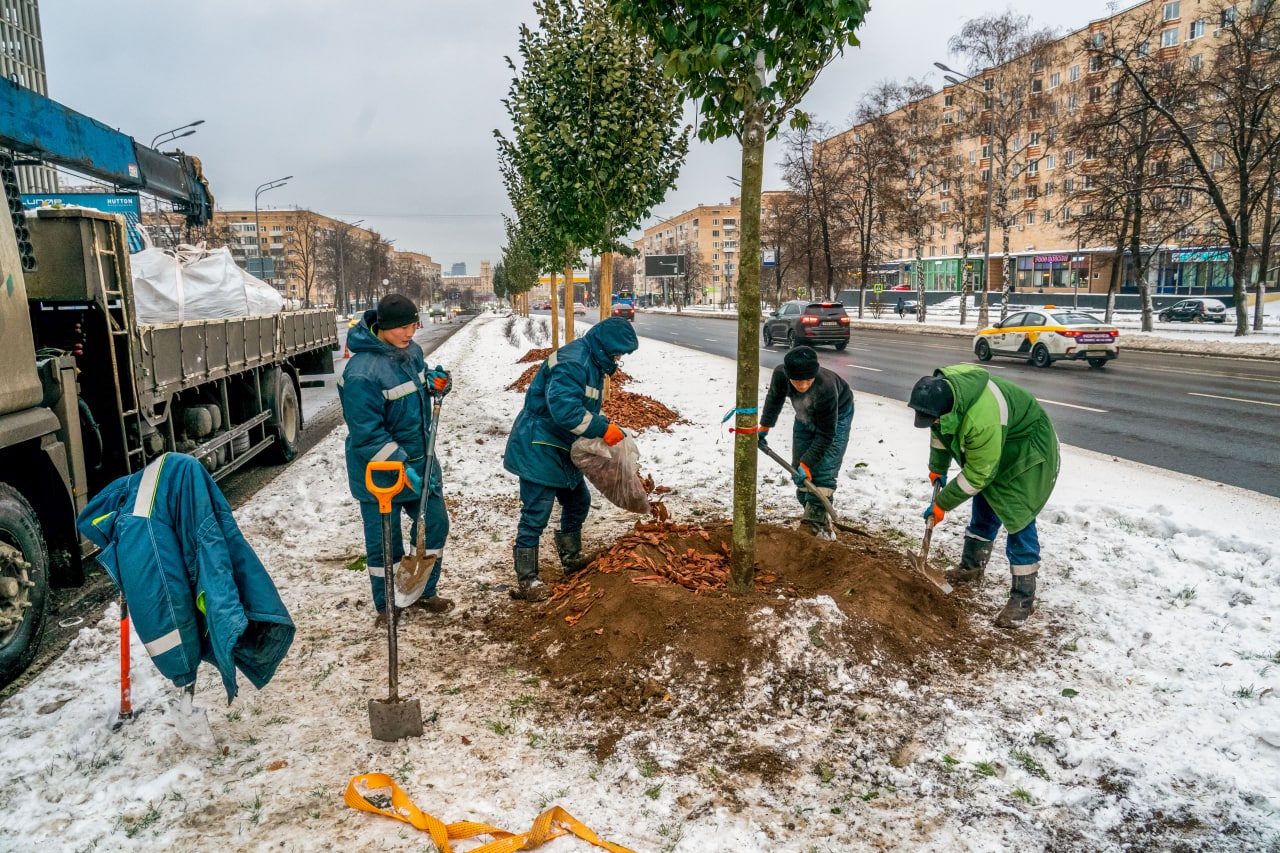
x=1208, y=416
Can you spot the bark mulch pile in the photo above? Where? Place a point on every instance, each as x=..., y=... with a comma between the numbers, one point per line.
x=633, y=411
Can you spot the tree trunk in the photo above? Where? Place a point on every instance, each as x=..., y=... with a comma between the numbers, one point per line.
x=606, y=285
x=964, y=283
x=742, y=562
x=1264, y=257
x=1240, y=269
x=1006, y=273
x=555, y=316
x=919, y=277
x=569, y=292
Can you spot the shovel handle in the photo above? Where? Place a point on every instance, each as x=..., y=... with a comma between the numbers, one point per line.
x=384, y=494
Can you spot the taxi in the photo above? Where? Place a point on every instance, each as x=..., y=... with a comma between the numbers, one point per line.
x=1049, y=334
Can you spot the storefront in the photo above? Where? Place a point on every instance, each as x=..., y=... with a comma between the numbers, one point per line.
x=1044, y=272
x=1196, y=271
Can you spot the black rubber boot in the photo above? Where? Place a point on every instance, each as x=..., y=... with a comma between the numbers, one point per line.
x=815, y=515
x=1021, y=604
x=569, y=547
x=529, y=586
x=973, y=562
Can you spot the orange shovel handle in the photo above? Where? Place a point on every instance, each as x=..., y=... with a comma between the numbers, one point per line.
x=384, y=494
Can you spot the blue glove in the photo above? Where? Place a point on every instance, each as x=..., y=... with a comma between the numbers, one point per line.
x=801, y=476
x=414, y=478
x=439, y=382
x=762, y=437
x=933, y=511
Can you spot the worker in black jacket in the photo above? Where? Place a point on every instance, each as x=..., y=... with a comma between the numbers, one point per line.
x=824, y=415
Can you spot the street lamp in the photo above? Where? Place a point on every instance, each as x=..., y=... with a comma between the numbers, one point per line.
x=174, y=134
x=991, y=171
x=257, y=236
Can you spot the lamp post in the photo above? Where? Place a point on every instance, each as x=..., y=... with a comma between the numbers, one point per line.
x=991, y=171
x=257, y=228
x=174, y=134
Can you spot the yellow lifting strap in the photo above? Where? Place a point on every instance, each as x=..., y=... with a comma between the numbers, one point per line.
x=552, y=823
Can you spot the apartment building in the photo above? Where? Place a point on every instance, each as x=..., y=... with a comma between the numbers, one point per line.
x=1045, y=183
x=707, y=236
x=22, y=62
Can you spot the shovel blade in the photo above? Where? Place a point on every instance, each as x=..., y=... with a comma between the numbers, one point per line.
x=921, y=564
x=395, y=720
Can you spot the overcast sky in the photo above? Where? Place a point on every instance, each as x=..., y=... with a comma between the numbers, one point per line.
x=384, y=110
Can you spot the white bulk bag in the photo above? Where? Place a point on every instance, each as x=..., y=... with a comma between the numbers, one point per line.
x=195, y=283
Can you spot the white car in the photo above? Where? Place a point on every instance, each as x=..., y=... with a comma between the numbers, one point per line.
x=1049, y=334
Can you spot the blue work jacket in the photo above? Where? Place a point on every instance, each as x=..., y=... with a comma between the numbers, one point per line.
x=386, y=407
x=195, y=588
x=563, y=403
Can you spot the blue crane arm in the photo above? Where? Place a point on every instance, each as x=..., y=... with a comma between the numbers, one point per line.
x=41, y=127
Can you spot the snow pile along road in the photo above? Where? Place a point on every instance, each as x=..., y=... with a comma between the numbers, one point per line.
x=1136, y=711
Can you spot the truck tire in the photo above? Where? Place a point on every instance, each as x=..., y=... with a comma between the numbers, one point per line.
x=286, y=419
x=24, y=583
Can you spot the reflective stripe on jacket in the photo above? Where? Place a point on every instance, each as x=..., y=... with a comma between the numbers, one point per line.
x=1003, y=441
x=195, y=588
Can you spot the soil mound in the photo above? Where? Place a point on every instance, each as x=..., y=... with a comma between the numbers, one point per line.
x=633, y=411
x=649, y=629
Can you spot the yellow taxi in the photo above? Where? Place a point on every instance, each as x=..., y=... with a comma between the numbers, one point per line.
x=1045, y=335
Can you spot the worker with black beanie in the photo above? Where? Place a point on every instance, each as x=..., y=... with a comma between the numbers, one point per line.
x=824, y=415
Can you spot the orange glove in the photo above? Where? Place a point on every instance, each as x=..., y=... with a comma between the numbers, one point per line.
x=613, y=435
x=801, y=476
x=935, y=478
x=935, y=512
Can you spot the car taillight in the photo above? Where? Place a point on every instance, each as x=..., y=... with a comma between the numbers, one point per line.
x=845, y=319
x=1071, y=333
x=808, y=320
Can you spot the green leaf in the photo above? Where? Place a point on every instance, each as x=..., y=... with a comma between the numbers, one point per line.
x=1068, y=692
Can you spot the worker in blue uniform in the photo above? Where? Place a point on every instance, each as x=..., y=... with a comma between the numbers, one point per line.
x=562, y=404
x=195, y=588
x=384, y=395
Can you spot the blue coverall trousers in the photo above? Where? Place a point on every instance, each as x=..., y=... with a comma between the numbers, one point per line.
x=437, y=519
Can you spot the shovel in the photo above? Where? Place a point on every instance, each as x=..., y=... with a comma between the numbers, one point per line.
x=832, y=518
x=416, y=569
x=920, y=562
x=395, y=718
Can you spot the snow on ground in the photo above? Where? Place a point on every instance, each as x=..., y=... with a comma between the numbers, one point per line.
x=1158, y=706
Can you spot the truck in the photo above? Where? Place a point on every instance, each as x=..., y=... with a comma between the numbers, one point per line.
x=87, y=394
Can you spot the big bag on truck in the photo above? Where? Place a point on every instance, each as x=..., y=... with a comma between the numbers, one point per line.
x=195, y=283
x=614, y=471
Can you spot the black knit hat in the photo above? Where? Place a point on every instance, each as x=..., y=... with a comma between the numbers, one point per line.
x=931, y=398
x=801, y=363
x=395, y=311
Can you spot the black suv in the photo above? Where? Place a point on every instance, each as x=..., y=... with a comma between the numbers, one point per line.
x=801, y=322
x=1195, y=311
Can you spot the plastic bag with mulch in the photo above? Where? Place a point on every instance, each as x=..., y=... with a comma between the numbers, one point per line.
x=614, y=471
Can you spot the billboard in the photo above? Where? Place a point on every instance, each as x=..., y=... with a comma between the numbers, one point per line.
x=657, y=266
x=125, y=204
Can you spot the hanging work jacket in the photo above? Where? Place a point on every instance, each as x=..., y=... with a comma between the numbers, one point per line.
x=1003, y=441
x=563, y=403
x=385, y=406
x=195, y=588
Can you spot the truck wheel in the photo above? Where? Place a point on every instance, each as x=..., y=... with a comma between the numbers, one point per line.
x=24, y=583
x=286, y=419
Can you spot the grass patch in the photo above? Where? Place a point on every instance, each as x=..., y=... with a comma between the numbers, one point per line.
x=1024, y=795
x=497, y=727
x=1029, y=763
x=1244, y=692
x=357, y=565
x=133, y=827
x=648, y=768
x=824, y=773
x=254, y=808
x=984, y=768
x=653, y=791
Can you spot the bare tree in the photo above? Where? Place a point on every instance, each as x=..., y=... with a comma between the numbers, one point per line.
x=817, y=174
x=1225, y=119
x=302, y=253
x=1007, y=51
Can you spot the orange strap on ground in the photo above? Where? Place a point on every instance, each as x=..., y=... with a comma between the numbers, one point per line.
x=552, y=823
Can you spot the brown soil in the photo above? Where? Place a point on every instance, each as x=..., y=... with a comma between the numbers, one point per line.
x=633, y=411
x=629, y=642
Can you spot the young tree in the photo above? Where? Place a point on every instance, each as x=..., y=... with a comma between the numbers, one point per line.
x=596, y=128
x=748, y=63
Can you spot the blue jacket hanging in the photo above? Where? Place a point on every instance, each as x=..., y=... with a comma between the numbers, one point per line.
x=195, y=588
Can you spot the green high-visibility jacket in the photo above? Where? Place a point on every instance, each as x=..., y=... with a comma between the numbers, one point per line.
x=1003, y=442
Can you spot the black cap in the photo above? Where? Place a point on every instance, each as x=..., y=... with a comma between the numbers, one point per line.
x=395, y=311
x=931, y=398
x=801, y=363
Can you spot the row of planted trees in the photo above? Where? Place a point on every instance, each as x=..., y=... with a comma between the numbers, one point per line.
x=1127, y=136
x=596, y=142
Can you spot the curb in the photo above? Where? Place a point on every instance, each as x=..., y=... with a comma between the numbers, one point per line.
x=1129, y=340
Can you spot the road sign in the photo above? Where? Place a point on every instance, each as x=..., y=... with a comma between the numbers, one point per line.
x=769, y=257
x=801, y=292
x=878, y=287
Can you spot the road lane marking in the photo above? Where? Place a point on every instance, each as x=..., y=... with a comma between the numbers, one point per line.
x=860, y=367
x=1233, y=399
x=1072, y=406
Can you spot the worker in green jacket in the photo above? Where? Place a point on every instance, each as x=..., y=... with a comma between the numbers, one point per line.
x=1008, y=456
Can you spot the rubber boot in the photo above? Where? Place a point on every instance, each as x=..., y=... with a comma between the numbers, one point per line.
x=973, y=562
x=529, y=586
x=569, y=547
x=1021, y=604
x=815, y=516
